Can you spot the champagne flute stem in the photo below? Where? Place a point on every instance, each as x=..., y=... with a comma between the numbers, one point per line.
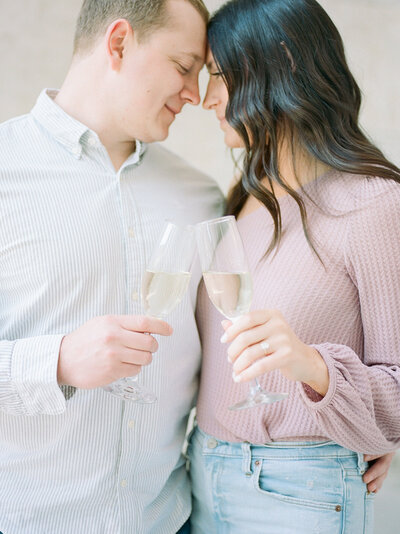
x=254, y=387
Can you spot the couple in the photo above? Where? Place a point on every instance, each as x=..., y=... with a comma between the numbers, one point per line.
x=84, y=194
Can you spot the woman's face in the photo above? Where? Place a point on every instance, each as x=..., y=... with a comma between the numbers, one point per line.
x=217, y=99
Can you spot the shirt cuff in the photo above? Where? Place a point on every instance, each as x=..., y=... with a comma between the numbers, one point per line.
x=34, y=364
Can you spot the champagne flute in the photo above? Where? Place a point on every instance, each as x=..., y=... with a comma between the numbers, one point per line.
x=229, y=285
x=164, y=285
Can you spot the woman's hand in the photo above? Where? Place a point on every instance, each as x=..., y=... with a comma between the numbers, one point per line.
x=262, y=341
x=378, y=471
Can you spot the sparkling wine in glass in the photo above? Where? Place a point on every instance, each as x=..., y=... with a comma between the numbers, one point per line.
x=229, y=285
x=164, y=285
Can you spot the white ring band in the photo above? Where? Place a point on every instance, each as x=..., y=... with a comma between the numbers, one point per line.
x=265, y=347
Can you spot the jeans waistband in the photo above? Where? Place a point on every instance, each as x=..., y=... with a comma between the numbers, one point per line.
x=287, y=449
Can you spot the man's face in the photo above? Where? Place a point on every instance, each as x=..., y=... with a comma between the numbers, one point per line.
x=160, y=75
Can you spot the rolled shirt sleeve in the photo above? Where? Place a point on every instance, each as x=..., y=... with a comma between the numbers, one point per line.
x=28, y=376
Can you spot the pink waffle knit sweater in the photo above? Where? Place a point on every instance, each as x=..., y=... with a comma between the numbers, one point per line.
x=348, y=309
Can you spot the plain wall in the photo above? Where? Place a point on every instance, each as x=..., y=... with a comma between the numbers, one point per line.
x=36, y=46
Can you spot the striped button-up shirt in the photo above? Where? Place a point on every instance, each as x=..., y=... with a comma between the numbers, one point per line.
x=75, y=236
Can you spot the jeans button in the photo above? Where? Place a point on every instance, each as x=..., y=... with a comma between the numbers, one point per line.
x=212, y=443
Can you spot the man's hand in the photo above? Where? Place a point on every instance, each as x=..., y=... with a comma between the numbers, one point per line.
x=108, y=348
x=378, y=471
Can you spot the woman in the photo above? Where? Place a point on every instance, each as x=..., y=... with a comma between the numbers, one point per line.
x=317, y=207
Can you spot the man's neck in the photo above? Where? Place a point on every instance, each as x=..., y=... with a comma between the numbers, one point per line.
x=80, y=97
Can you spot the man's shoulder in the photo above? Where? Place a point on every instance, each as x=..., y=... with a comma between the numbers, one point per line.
x=13, y=126
x=176, y=178
x=166, y=161
x=158, y=154
x=13, y=134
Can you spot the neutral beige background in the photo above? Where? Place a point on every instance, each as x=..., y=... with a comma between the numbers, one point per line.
x=36, y=44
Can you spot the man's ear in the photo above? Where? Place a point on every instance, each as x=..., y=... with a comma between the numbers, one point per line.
x=116, y=39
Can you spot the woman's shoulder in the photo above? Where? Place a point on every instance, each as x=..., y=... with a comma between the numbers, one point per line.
x=345, y=193
x=365, y=191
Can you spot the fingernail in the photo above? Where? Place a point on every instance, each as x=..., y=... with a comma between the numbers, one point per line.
x=224, y=338
x=372, y=488
x=236, y=378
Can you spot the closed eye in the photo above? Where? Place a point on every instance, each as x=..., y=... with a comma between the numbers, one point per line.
x=182, y=68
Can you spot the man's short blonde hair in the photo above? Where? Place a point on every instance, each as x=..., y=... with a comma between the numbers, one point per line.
x=145, y=16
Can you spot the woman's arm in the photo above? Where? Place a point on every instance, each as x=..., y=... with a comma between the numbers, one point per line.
x=358, y=403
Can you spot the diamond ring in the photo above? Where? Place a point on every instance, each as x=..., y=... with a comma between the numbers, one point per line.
x=265, y=347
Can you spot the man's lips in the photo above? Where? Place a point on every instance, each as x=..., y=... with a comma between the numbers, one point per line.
x=174, y=111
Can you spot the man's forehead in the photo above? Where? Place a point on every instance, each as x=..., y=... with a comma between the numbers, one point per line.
x=194, y=56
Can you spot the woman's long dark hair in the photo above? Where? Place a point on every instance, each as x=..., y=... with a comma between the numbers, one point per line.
x=284, y=65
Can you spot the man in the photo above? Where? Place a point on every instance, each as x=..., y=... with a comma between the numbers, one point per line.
x=83, y=201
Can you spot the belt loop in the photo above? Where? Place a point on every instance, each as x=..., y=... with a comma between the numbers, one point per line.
x=360, y=463
x=246, y=462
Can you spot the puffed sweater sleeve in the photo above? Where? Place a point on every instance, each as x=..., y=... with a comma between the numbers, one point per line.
x=361, y=410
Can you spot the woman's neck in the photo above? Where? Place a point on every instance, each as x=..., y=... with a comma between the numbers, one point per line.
x=295, y=174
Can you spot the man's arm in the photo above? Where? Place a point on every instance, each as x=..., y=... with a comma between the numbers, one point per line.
x=34, y=371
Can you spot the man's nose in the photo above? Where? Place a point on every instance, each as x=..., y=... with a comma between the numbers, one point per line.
x=191, y=93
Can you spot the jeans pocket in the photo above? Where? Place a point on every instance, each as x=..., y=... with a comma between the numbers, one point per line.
x=262, y=487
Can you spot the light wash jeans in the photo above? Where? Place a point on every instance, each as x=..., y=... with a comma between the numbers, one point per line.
x=279, y=488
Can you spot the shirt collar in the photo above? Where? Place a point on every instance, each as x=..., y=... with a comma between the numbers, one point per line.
x=68, y=131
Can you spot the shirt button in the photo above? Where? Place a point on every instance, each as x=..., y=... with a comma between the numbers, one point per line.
x=124, y=483
x=212, y=443
x=131, y=424
x=135, y=296
x=92, y=141
x=131, y=232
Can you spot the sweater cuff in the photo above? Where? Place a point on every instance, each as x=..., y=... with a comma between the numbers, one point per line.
x=310, y=397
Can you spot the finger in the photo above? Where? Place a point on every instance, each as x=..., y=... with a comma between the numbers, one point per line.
x=378, y=468
x=136, y=357
x=138, y=341
x=250, y=355
x=126, y=370
x=245, y=322
x=376, y=484
x=260, y=367
x=141, y=323
x=371, y=457
x=248, y=338
x=380, y=458
x=226, y=324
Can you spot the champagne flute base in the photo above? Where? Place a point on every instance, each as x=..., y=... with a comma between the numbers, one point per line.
x=128, y=389
x=259, y=398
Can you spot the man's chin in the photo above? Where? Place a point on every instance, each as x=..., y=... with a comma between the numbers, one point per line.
x=156, y=137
